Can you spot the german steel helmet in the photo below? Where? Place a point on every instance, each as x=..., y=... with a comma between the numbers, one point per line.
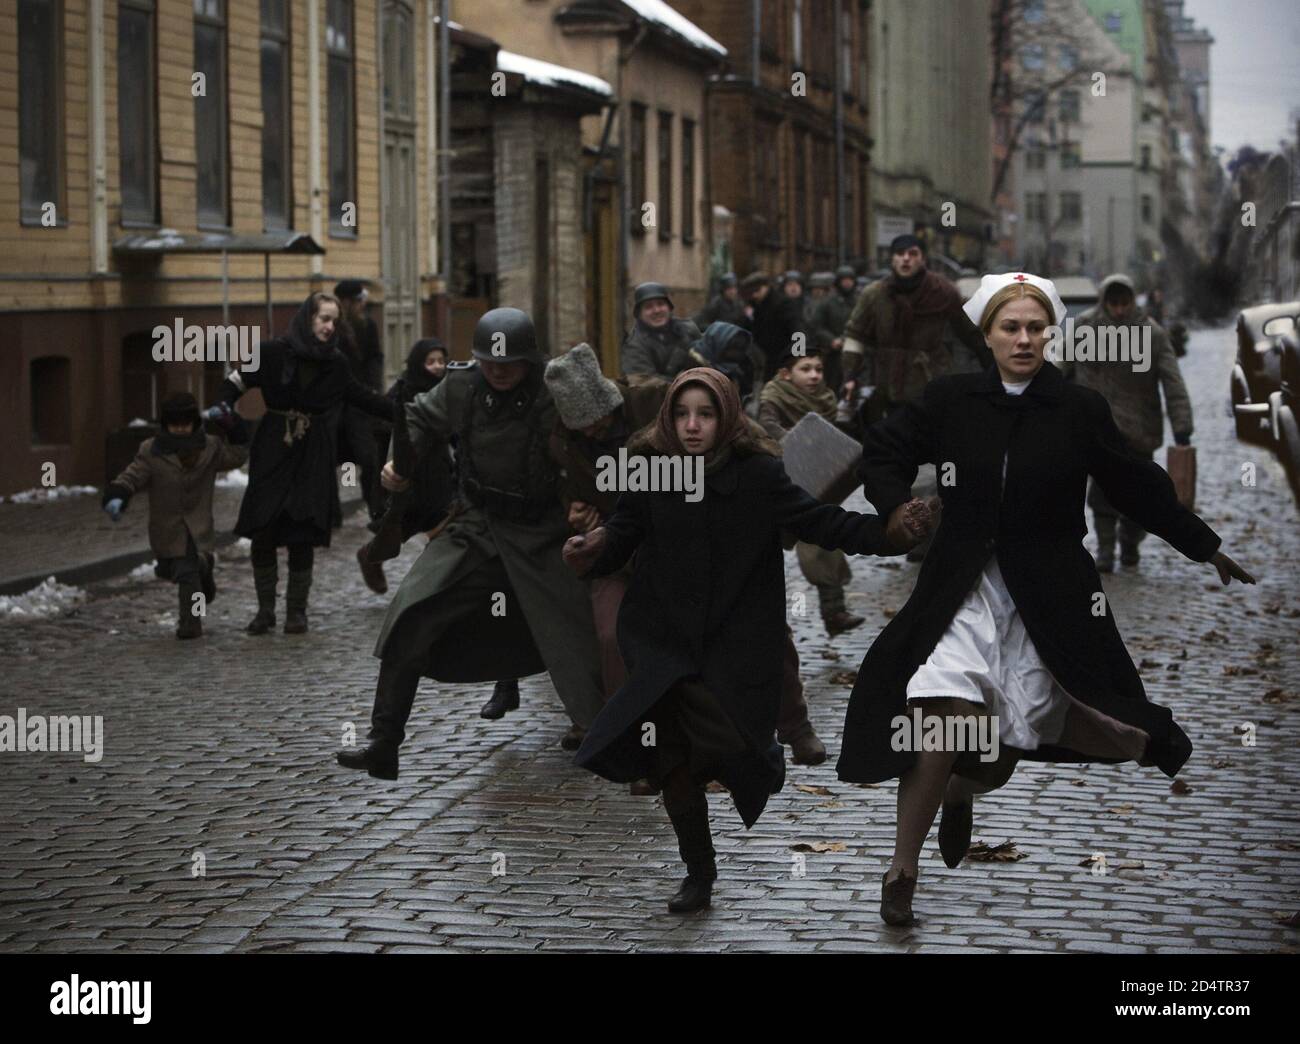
x=649, y=292
x=505, y=335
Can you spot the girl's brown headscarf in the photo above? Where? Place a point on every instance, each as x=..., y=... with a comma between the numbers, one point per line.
x=735, y=430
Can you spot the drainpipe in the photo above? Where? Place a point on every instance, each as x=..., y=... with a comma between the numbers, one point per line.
x=444, y=159
x=756, y=10
x=431, y=195
x=313, y=131
x=98, y=164
x=624, y=235
x=839, y=133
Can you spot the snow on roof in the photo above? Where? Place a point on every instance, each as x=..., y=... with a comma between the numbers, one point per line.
x=659, y=12
x=536, y=71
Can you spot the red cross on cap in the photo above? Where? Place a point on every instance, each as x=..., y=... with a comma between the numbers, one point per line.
x=1020, y=278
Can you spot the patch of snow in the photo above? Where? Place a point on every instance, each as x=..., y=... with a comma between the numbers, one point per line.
x=143, y=572
x=43, y=493
x=235, y=479
x=536, y=71
x=660, y=13
x=50, y=598
x=241, y=548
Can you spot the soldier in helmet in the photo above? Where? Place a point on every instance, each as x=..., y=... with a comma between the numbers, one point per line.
x=726, y=306
x=658, y=346
x=829, y=321
x=489, y=598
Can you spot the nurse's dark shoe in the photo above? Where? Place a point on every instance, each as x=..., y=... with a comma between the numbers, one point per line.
x=505, y=697
x=379, y=759
x=896, y=899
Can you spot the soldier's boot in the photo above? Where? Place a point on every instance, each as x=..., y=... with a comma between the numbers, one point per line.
x=189, y=624
x=371, y=572
x=835, y=614
x=505, y=697
x=207, y=576
x=394, y=696
x=688, y=809
x=1105, y=527
x=265, y=579
x=295, y=601
x=1130, y=535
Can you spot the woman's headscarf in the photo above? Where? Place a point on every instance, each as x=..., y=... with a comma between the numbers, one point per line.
x=417, y=377
x=300, y=336
x=663, y=436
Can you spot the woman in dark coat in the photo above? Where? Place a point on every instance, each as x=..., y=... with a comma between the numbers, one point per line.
x=1008, y=620
x=292, y=498
x=702, y=625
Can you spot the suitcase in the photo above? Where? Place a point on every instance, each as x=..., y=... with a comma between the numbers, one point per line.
x=1180, y=462
x=821, y=458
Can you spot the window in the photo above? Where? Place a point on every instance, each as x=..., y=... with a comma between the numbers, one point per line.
x=210, y=150
x=1071, y=207
x=665, y=175
x=821, y=41
x=768, y=178
x=1036, y=206
x=1070, y=155
x=1032, y=57
x=40, y=108
x=688, y=181
x=1069, y=106
x=277, y=206
x=1034, y=12
x=51, y=384
x=1035, y=106
x=1035, y=159
x=1148, y=210
x=636, y=163
x=137, y=133
x=771, y=29
x=1146, y=157
x=796, y=33
x=1067, y=57
x=846, y=50
x=1114, y=22
x=800, y=189
x=342, y=152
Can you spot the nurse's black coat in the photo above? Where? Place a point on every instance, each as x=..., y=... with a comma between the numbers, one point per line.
x=707, y=599
x=1055, y=435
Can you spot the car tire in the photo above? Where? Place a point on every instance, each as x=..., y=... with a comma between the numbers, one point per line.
x=1288, y=448
x=1247, y=427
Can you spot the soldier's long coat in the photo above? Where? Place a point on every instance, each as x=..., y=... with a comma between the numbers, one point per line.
x=547, y=622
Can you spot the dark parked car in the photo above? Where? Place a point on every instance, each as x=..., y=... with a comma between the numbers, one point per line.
x=1265, y=382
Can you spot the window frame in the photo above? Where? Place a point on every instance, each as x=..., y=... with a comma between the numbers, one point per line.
x=153, y=217
x=30, y=212
x=688, y=180
x=636, y=159
x=335, y=57
x=664, y=182
x=283, y=37
x=221, y=24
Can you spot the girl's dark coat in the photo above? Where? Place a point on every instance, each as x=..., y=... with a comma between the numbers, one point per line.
x=707, y=599
x=298, y=478
x=1056, y=434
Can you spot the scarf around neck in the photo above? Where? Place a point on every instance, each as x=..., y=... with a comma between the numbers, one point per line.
x=793, y=403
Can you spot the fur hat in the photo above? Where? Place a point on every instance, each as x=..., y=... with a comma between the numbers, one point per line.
x=582, y=394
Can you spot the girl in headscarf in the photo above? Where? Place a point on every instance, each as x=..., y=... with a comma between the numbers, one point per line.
x=1007, y=648
x=292, y=498
x=701, y=627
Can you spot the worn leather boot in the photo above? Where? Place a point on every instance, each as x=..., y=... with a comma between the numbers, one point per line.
x=188, y=623
x=264, y=582
x=207, y=577
x=505, y=697
x=295, y=601
x=896, y=899
x=807, y=748
x=394, y=697
x=371, y=572
x=688, y=809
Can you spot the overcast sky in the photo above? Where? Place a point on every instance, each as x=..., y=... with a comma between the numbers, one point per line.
x=1254, y=69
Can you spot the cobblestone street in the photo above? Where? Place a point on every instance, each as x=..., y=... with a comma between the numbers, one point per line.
x=218, y=821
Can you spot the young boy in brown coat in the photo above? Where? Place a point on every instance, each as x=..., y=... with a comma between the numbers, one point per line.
x=179, y=468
